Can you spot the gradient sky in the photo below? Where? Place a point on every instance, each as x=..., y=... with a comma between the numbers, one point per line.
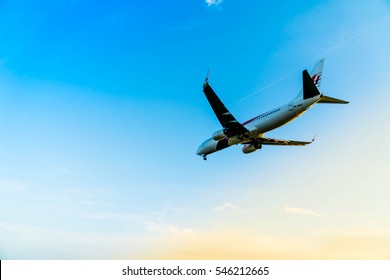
x=102, y=110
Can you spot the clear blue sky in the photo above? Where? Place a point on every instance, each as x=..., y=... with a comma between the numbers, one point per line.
x=101, y=112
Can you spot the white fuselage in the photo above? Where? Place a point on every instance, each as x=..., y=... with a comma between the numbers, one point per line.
x=263, y=123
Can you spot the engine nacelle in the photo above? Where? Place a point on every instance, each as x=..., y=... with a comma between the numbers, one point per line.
x=218, y=135
x=250, y=148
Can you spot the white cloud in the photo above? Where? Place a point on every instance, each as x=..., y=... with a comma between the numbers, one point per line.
x=299, y=211
x=167, y=229
x=226, y=206
x=213, y=2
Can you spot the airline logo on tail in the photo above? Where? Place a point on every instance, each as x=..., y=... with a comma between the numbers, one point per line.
x=317, y=79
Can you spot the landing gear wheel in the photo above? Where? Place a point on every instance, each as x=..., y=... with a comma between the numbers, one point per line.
x=204, y=157
x=257, y=145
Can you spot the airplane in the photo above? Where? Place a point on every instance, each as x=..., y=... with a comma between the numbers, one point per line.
x=251, y=133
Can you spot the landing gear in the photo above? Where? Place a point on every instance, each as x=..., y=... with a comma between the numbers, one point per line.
x=242, y=136
x=204, y=157
x=257, y=145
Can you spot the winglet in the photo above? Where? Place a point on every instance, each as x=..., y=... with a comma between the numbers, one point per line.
x=206, y=81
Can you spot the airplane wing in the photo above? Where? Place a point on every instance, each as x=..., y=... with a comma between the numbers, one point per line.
x=227, y=120
x=273, y=141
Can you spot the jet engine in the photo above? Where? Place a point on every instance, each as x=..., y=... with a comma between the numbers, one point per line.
x=250, y=148
x=218, y=135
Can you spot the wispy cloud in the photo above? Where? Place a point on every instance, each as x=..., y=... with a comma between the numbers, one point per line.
x=299, y=211
x=167, y=229
x=168, y=211
x=227, y=207
x=13, y=186
x=244, y=243
x=213, y=2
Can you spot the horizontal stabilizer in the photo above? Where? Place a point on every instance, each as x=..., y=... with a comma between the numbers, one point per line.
x=331, y=100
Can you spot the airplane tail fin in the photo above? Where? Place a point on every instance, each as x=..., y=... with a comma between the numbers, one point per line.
x=312, y=82
x=316, y=73
x=309, y=88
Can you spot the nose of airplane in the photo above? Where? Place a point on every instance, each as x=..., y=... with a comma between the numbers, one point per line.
x=200, y=150
x=207, y=147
